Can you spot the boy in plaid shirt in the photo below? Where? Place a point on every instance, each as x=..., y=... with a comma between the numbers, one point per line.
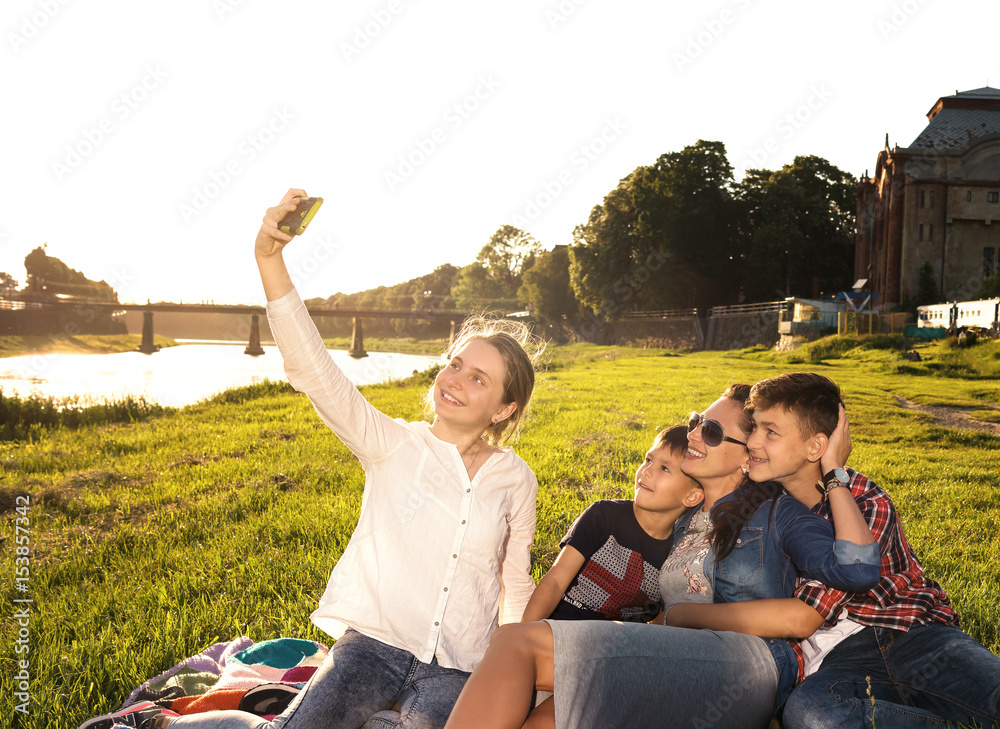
x=893, y=656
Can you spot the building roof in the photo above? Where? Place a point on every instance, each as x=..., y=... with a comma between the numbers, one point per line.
x=957, y=120
x=986, y=92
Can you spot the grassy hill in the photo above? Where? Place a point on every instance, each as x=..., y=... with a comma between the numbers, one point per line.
x=151, y=540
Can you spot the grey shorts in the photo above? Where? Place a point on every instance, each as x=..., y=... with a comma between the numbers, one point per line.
x=610, y=674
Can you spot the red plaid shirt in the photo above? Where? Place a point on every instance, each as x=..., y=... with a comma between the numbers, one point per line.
x=904, y=597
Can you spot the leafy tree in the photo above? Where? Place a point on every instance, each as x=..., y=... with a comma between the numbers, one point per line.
x=799, y=223
x=990, y=288
x=927, y=288
x=493, y=280
x=604, y=253
x=49, y=276
x=475, y=290
x=507, y=256
x=7, y=284
x=430, y=291
x=686, y=205
x=433, y=291
x=547, y=286
x=666, y=237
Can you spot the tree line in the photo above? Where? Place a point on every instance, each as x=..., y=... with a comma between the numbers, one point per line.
x=49, y=278
x=678, y=233
x=675, y=234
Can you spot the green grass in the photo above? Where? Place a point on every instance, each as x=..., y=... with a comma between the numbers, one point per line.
x=151, y=540
x=883, y=353
x=33, y=417
x=12, y=346
x=987, y=416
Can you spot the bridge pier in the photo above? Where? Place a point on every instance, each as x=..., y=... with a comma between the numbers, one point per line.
x=147, y=346
x=357, y=349
x=253, y=347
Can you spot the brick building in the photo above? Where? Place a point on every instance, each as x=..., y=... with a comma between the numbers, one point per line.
x=936, y=201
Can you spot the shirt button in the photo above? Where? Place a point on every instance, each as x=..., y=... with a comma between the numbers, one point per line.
x=468, y=490
x=436, y=622
x=454, y=556
x=446, y=589
x=463, y=521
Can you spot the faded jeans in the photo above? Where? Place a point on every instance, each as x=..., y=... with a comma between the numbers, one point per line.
x=931, y=675
x=361, y=683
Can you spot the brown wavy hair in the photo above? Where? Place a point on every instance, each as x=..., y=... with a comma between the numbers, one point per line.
x=728, y=519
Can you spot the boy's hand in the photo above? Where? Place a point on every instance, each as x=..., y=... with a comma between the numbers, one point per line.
x=839, y=447
x=270, y=241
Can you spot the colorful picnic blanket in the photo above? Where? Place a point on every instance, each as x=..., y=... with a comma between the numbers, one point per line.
x=261, y=678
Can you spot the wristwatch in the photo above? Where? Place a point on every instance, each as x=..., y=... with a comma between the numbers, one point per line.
x=833, y=479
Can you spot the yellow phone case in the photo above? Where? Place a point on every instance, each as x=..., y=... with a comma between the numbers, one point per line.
x=296, y=221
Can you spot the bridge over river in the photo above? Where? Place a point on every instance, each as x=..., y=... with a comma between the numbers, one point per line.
x=81, y=308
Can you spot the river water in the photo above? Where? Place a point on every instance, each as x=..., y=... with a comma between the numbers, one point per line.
x=178, y=376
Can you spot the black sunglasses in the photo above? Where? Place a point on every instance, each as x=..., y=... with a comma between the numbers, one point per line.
x=711, y=432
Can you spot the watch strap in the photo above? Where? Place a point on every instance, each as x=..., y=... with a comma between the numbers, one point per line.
x=838, y=474
x=832, y=479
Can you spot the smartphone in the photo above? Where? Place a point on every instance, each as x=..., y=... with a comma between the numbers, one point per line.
x=295, y=222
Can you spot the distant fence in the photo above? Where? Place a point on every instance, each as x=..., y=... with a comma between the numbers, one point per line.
x=850, y=322
x=721, y=327
x=664, y=314
x=12, y=305
x=761, y=308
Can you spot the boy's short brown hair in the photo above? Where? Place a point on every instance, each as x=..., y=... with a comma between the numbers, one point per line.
x=813, y=400
x=675, y=439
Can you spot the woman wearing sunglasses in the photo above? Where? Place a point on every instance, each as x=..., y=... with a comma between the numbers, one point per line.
x=607, y=674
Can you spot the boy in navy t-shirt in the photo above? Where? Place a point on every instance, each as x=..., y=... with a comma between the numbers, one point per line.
x=609, y=566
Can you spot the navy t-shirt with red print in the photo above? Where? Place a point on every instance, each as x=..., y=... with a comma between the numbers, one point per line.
x=620, y=579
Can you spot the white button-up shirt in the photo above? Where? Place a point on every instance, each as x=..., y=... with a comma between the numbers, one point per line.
x=435, y=559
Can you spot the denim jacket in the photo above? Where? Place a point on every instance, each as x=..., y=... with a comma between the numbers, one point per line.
x=774, y=548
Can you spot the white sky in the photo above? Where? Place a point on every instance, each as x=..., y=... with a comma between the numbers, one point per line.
x=144, y=140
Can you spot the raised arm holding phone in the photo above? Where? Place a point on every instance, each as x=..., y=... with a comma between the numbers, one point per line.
x=441, y=551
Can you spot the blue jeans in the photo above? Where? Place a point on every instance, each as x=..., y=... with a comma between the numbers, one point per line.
x=361, y=683
x=931, y=675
